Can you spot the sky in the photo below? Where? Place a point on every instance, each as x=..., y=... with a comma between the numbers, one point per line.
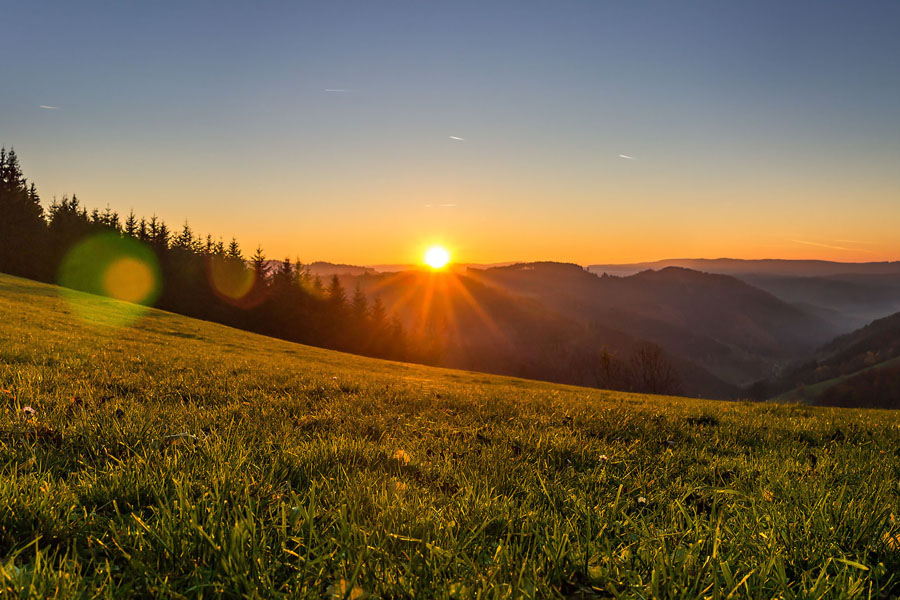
x=362, y=132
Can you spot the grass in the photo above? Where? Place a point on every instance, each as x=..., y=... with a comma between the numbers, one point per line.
x=808, y=394
x=177, y=458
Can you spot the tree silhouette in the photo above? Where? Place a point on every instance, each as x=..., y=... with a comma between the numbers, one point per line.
x=286, y=300
x=22, y=225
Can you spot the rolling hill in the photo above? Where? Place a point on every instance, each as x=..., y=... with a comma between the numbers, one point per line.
x=859, y=369
x=846, y=295
x=145, y=454
x=735, y=331
x=478, y=325
x=774, y=266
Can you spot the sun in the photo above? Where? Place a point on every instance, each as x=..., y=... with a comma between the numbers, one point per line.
x=437, y=257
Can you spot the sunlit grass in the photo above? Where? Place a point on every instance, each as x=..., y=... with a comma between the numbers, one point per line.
x=176, y=458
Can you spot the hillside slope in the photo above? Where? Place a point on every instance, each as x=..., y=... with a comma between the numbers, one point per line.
x=176, y=458
x=774, y=266
x=859, y=369
x=737, y=332
x=847, y=295
x=479, y=326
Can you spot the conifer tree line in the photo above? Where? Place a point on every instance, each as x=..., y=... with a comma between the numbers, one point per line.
x=206, y=278
x=283, y=301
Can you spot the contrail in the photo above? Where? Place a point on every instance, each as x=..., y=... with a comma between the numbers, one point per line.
x=458, y=139
x=626, y=156
x=48, y=107
x=832, y=246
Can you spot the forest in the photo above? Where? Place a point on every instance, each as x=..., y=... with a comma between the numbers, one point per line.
x=205, y=277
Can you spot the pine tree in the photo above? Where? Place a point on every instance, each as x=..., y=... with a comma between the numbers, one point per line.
x=377, y=331
x=302, y=274
x=110, y=219
x=283, y=276
x=359, y=306
x=161, y=239
x=185, y=239
x=378, y=315
x=152, y=229
x=22, y=224
x=337, y=298
x=234, y=250
x=131, y=225
x=260, y=268
x=318, y=290
x=358, y=322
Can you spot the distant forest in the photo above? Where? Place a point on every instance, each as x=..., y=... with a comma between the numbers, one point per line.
x=283, y=301
x=279, y=299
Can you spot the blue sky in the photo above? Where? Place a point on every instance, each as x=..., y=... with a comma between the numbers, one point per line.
x=326, y=131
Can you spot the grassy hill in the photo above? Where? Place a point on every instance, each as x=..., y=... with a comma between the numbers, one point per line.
x=168, y=457
x=858, y=369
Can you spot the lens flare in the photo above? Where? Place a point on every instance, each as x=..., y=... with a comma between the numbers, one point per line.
x=128, y=279
x=437, y=257
x=230, y=278
x=112, y=266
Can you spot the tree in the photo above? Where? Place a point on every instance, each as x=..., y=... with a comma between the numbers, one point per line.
x=185, y=239
x=234, y=250
x=376, y=341
x=260, y=268
x=286, y=301
x=652, y=372
x=131, y=225
x=337, y=298
x=359, y=321
x=161, y=239
x=318, y=290
x=22, y=224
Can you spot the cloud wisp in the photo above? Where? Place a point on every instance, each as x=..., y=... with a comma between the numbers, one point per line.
x=457, y=138
x=338, y=91
x=832, y=246
x=47, y=107
x=625, y=156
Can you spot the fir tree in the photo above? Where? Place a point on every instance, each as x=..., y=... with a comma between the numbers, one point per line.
x=131, y=225
x=22, y=224
x=260, y=268
x=234, y=250
x=185, y=239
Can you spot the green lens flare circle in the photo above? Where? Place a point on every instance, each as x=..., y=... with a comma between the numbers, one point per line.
x=115, y=267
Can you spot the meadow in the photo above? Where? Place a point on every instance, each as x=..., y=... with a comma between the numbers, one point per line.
x=153, y=455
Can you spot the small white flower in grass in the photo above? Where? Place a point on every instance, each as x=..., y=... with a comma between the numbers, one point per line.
x=27, y=411
x=642, y=500
x=604, y=457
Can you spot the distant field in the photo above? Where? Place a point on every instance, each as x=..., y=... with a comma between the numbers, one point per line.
x=178, y=458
